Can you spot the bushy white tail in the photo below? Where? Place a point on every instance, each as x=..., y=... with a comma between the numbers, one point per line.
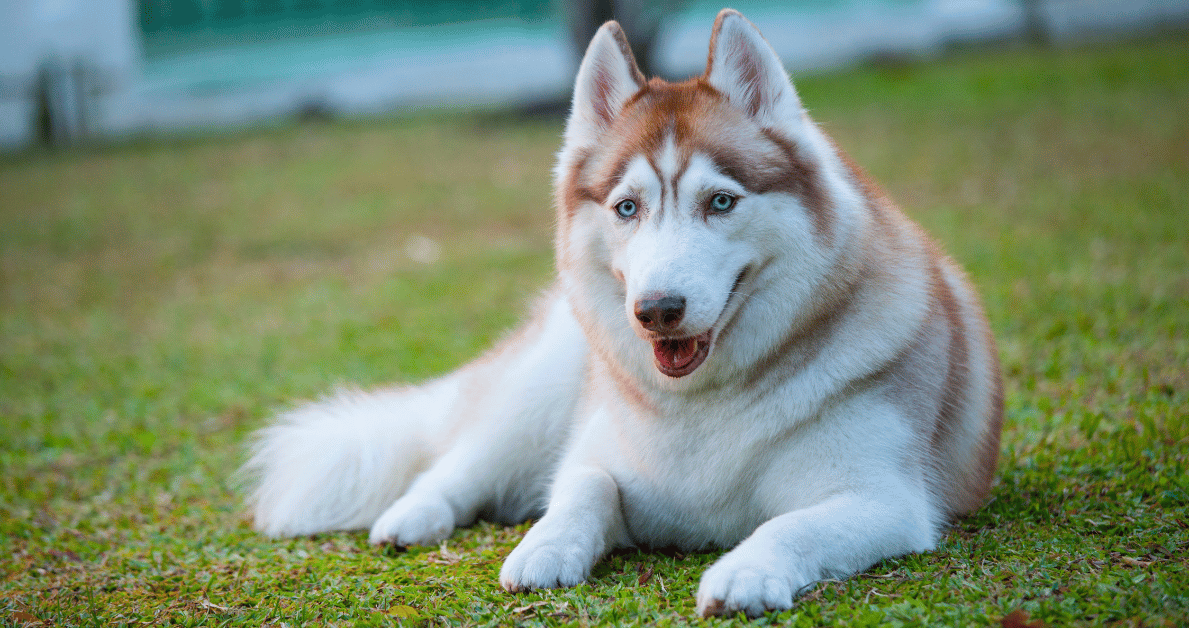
x=482, y=440
x=338, y=463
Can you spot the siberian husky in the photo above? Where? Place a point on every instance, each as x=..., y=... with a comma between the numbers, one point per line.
x=747, y=346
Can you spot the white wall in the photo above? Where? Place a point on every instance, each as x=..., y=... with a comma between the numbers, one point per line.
x=501, y=68
x=99, y=32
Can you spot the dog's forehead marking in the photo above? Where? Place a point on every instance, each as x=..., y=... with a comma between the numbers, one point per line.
x=682, y=119
x=641, y=180
x=668, y=173
x=669, y=166
x=701, y=174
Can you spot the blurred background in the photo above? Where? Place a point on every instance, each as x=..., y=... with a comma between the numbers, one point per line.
x=162, y=297
x=77, y=69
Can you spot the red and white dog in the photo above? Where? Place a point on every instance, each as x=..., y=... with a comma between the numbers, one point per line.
x=747, y=346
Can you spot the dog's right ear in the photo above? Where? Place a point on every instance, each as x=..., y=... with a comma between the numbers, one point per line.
x=607, y=78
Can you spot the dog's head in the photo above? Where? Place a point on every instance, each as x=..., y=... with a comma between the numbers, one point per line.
x=677, y=202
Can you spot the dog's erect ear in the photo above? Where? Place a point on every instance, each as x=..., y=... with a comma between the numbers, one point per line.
x=742, y=66
x=607, y=78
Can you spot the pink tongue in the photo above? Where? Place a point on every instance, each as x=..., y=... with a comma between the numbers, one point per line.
x=674, y=354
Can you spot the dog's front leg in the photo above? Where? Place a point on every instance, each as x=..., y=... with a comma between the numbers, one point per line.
x=833, y=539
x=582, y=523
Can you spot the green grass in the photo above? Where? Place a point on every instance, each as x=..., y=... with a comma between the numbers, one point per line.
x=160, y=300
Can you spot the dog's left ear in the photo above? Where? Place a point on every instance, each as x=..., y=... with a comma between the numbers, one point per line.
x=742, y=66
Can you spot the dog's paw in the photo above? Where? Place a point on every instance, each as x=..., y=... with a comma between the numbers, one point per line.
x=414, y=520
x=733, y=586
x=546, y=565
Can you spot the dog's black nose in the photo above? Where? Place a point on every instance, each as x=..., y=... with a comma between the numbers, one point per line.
x=660, y=313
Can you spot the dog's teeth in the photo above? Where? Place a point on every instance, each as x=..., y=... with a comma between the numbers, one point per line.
x=687, y=351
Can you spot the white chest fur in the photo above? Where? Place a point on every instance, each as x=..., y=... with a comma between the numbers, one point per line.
x=708, y=472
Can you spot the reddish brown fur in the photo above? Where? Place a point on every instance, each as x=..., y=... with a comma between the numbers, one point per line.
x=955, y=385
x=630, y=391
x=989, y=448
x=700, y=120
x=800, y=345
x=963, y=494
x=712, y=41
x=750, y=73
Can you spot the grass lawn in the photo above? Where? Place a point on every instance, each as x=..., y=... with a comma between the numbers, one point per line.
x=158, y=301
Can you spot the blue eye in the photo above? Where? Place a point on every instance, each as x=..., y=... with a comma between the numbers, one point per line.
x=626, y=208
x=721, y=202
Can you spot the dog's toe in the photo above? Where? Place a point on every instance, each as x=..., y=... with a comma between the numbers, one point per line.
x=544, y=566
x=414, y=520
x=753, y=590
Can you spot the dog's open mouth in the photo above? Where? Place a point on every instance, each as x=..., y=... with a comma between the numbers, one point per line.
x=676, y=357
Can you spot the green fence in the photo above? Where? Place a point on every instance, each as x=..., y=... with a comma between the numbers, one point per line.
x=172, y=25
